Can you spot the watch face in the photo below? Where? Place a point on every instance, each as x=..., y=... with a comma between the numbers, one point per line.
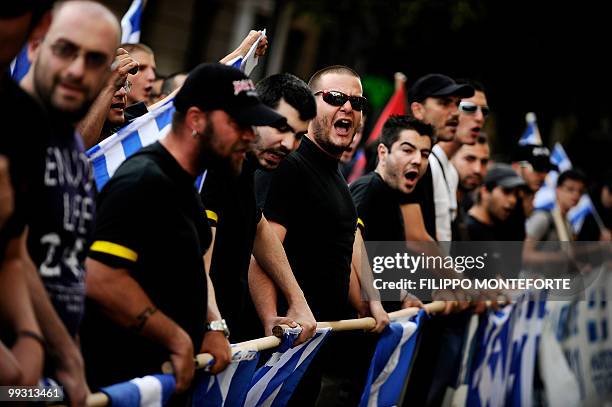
x=220, y=326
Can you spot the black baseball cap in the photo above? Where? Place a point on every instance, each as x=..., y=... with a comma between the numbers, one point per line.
x=536, y=155
x=436, y=85
x=502, y=175
x=222, y=87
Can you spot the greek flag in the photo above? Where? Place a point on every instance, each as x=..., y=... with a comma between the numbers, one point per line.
x=111, y=152
x=274, y=383
x=130, y=23
x=504, y=360
x=532, y=133
x=545, y=197
x=391, y=362
x=149, y=391
x=228, y=388
x=577, y=347
x=147, y=129
x=20, y=65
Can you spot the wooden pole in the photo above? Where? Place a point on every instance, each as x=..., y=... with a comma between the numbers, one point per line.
x=269, y=342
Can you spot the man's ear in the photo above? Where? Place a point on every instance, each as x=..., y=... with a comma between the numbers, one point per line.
x=195, y=119
x=382, y=152
x=418, y=110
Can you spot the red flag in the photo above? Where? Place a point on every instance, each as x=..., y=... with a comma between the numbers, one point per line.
x=396, y=105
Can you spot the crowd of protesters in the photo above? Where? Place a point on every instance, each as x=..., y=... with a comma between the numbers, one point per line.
x=98, y=287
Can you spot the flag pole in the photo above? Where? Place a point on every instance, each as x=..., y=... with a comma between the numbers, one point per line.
x=369, y=322
x=202, y=360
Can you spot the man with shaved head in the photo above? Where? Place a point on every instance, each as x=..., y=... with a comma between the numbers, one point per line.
x=310, y=208
x=69, y=67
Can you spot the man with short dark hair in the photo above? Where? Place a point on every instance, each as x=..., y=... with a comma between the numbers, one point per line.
x=148, y=311
x=171, y=83
x=403, y=149
x=434, y=99
x=497, y=199
x=471, y=162
x=239, y=228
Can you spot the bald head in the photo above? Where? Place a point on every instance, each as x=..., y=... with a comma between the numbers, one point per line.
x=73, y=61
x=66, y=12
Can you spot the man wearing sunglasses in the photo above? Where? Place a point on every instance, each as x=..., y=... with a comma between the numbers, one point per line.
x=472, y=114
x=310, y=208
x=69, y=67
x=107, y=113
x=233, y=207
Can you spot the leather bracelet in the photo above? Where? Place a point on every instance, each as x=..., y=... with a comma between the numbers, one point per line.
x=30, y=334
x=143, y=317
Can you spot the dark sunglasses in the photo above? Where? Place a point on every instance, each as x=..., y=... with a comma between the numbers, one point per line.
x=471, y=108
x=69, y=51
x=336, y=98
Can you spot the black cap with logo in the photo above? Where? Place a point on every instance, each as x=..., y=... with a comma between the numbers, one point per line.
x=536, y=155
x=221, y=87
x=437, y=85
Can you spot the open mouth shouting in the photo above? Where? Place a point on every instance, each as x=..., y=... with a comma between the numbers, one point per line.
x=120, y=106
x=343, y=127
x=411, y=177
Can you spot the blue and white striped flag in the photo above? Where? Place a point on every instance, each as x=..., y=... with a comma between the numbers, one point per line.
x=20, y=65
x=545, y=197
x=149, y=391
x=111, y=152
x=507, y=341
x=228, y=388
x=391, y=362
x=147, y=129
x=130, y=23
x=532, y=133
x=274, y=383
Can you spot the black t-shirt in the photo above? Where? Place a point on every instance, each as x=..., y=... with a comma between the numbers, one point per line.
x=423, y=195
x=479, y=231
x=262, y=186
x=378, y=208
x=151, y=222
x=309, y=197
x=504, y=255
x=231, y=208
x=23, y=142
x=60, y=229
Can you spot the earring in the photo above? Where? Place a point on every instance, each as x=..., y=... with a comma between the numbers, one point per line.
x=194, y=134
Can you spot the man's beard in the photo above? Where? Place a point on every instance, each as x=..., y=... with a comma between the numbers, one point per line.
x=321, y=129
x=58, y=114
x=211, y=160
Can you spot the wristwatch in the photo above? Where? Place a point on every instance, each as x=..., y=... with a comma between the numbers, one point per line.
x=219, y=325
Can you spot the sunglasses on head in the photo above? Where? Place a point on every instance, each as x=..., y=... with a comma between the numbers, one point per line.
x=67, y=50
x=336, y=98
x=471, y=108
